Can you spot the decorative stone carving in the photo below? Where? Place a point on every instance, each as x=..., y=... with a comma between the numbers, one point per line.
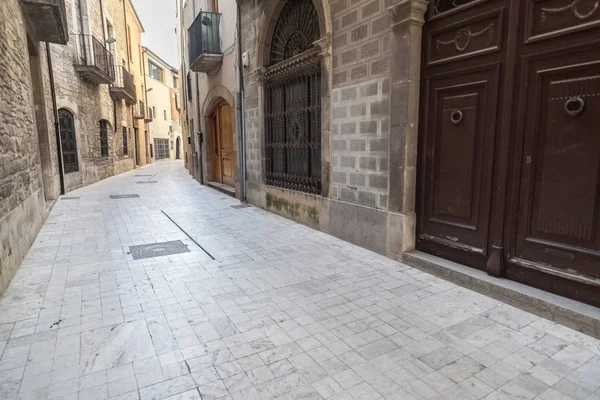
x=408, y=12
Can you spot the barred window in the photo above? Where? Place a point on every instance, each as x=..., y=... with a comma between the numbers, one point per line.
x=68, y=141
x=104, y=138
x=293, y=101
x=161, y=148
x=125, y=148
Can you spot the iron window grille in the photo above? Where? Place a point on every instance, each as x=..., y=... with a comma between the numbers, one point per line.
x=68, y=140
x=161, y=148
x=292, y=109
x=293, y=125
x=125, y=148
x=104, y=138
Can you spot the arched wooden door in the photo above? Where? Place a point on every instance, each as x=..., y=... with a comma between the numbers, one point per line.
x=221, y=144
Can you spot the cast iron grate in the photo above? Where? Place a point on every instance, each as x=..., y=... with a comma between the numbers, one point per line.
x=144, y=175
x=241, y=206
x=148, y=182
x=124, y=196
x=158, y=249
x=69, y=198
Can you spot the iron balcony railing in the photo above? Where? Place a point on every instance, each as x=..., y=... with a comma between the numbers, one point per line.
x=204, y=35
x=124, y=82
x=92, y=53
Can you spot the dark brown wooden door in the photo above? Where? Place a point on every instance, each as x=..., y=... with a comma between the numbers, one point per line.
x=557, y=226
x=509, y=147
x=464, y=52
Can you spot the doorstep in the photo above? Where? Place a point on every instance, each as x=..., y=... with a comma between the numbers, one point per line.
x=573, y=314
x=222, y=188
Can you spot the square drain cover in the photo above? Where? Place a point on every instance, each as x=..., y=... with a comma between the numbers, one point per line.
x=158, y=249
x=148, y=182
x=241, y=206
x=124, y=196
x=69, y=198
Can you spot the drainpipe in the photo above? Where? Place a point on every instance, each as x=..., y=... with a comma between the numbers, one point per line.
x=61, y=170
x=240, y=109
x=199, y=124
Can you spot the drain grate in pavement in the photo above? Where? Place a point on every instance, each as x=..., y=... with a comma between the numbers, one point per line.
x=124, y=196
x=144, y=175
x=241, y=206
x=148, y=182
x=158, y=249
x=69, y=198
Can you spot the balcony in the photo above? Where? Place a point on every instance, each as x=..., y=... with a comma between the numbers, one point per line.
x=139, y=111
x=47, y=20
x=123, y=87
x=149, y=115
x=93, y=61
x=205, y=43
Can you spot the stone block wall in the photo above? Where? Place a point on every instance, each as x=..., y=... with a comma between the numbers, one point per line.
x=360, y=110
x=22, y=207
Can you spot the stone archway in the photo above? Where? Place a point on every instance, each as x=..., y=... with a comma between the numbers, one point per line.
x=268, y=21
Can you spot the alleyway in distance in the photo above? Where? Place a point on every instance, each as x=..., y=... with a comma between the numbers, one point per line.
x=282, y=312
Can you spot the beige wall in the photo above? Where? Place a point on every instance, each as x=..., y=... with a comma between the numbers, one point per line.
x=160, y=99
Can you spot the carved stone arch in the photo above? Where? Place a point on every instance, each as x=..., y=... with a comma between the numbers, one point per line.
x=268, y=21
x=215, y=94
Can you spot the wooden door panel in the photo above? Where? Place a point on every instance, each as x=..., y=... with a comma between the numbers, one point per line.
x=478, y=35
x=559, y=216
x=227, y=144
x=548, y=19
x=460, y=128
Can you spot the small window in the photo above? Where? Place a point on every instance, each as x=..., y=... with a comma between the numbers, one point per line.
x=155, y=71
x=165, y=113
x=104, y=138
x=125, y=148
x=153, y=111
x=66, y=121
x=141, y=59
x=129, y=43
x=189, y=86
x=175, y=82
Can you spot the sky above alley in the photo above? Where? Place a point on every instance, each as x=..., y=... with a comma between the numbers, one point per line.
x=159, y=20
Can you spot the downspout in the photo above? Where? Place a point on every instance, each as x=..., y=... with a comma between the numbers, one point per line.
x=240, y=109
x=198, y=125
x=147, y=105
x=61, y=171
x=127, y=45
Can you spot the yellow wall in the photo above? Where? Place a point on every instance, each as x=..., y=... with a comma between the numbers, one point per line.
x=135, y=30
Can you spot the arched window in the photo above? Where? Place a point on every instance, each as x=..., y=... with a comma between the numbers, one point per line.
x=293, y=101
x=104, y=138
x=68, y=141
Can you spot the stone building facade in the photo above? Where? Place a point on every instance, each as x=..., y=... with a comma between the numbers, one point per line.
x=355, y=47
x=90, y=111
x=22, y=202
x=211, y=87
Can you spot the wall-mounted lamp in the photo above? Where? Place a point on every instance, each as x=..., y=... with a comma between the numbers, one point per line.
x=111, y=40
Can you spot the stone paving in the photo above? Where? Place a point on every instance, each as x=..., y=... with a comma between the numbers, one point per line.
x=282, y=312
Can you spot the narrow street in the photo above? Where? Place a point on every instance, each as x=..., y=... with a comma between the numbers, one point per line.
x=243, y=304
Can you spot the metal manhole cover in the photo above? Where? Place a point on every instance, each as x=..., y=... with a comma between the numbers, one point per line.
x=124, y=196
x=69, y=198
x=241, y=206
x=148, y=182
x=158, y=249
